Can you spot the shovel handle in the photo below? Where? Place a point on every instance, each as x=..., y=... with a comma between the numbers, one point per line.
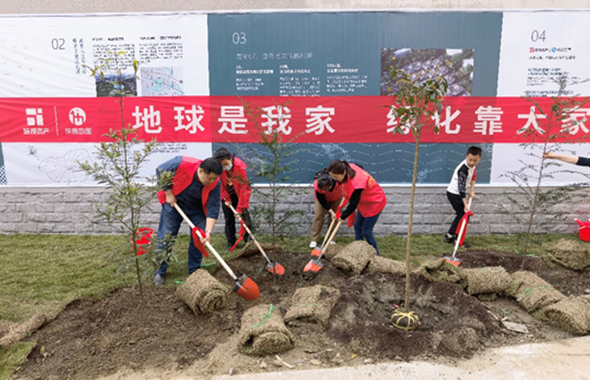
x=250, y=233
x=332, y=236
x=211, y=249
x=331, y=224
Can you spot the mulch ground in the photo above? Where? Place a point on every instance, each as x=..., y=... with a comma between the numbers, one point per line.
x=122, y=331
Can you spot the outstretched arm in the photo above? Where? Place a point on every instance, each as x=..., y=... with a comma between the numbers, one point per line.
x=561, y=157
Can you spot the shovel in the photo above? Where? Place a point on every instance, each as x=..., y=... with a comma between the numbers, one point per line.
x=460, y=236
x=275, y=268
x=315, y=265
x=318, y=251
x=244, y=286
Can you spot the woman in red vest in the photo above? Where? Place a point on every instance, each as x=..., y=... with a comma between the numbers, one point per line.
x=195, y=187
x=363, y=194
x=235, y=191
x=328, y=194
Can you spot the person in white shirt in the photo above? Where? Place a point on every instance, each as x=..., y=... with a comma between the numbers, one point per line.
x=465, y=173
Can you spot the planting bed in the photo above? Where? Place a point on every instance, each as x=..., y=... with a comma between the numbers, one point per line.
x=123, y=334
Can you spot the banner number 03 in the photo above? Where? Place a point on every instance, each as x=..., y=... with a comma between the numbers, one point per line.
x=536, y=36
x=238, y=38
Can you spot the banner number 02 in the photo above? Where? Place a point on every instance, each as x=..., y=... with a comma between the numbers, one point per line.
x=536, y=36
x=58, y=44
x=238, y=38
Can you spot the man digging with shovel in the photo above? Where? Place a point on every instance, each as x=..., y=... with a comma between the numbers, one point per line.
x=195, y=187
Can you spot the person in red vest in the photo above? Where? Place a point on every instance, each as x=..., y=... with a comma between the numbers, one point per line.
x=328, y=194
x=363, y=194
x=195, y=187
x=235, y=191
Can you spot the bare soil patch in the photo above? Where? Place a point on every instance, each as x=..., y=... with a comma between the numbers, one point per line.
x=123, y=333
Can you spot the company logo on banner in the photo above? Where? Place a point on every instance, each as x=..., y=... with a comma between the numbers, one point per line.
x=363, y=119
x=77, y=116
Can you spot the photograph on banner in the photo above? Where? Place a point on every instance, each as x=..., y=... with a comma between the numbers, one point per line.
x=537, y=47
x=455, y=65
x=52, y=56
x=388, y=162
x=50, y=164
x=509, y=158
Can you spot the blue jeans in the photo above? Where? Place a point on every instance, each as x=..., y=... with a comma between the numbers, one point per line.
x=363, y=229
x=170, y=221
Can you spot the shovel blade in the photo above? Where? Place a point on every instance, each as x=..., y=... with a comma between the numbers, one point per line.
x=456, y=261
x=246, y=288
x=276, y=268
x=316, y=252
x=313, y=266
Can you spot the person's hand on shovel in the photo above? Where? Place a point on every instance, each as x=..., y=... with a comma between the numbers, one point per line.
x=170, y=198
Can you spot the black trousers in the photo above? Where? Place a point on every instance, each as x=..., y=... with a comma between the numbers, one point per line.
x=230, y=220
x=459, y=207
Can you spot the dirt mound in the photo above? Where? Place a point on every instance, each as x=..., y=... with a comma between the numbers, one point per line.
x=123, y=332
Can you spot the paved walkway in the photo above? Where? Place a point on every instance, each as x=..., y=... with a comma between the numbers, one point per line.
x=564, y=359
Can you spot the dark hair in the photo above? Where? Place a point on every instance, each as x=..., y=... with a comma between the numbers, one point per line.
x=211, y=165
x=341, y=167
x=325, y=180
x=474, y=150
x=222, y=154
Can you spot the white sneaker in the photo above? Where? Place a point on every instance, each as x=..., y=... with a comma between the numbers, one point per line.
x=332, y=242
x=313, y=244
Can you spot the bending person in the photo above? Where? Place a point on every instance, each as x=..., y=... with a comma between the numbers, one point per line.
x=328, y=194
x=364, y=195
x=235, y=191
x=195, y=187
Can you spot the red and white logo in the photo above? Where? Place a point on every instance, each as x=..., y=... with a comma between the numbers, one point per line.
x=34, y=117
x=77, y=116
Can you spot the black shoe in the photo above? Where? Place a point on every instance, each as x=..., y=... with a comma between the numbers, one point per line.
x=159, y=279
x=247, y=238
x=466, y=245
x=450, y=240
x=229, y=247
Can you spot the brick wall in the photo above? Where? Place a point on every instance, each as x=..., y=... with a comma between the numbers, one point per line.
x=70, y=211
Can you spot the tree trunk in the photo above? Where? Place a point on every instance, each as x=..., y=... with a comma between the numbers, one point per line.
x=408, y=265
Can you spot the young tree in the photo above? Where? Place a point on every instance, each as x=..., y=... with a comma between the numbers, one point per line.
x=272, y=163
x=415, y=105
x=557, y=121
x=117, y=166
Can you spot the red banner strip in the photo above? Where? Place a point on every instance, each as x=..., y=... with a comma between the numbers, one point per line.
x=346, y=119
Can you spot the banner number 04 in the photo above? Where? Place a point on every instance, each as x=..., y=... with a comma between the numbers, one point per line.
x=536, y=36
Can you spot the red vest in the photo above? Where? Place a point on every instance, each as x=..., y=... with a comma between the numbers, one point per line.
x=239, y=179
x=372, y=200
x=184, y=177
x=331, y=196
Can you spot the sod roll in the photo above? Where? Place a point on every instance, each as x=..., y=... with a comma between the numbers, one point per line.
x=312, y=305
x=202, y=292
x=532, y=292
x=571, y=315
x=332, y=251
x=486, y=280
x=20, y=331
x=354, y=257
x=441, y=271
x=571, y=254
x=380, y=264
x=263, y=332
